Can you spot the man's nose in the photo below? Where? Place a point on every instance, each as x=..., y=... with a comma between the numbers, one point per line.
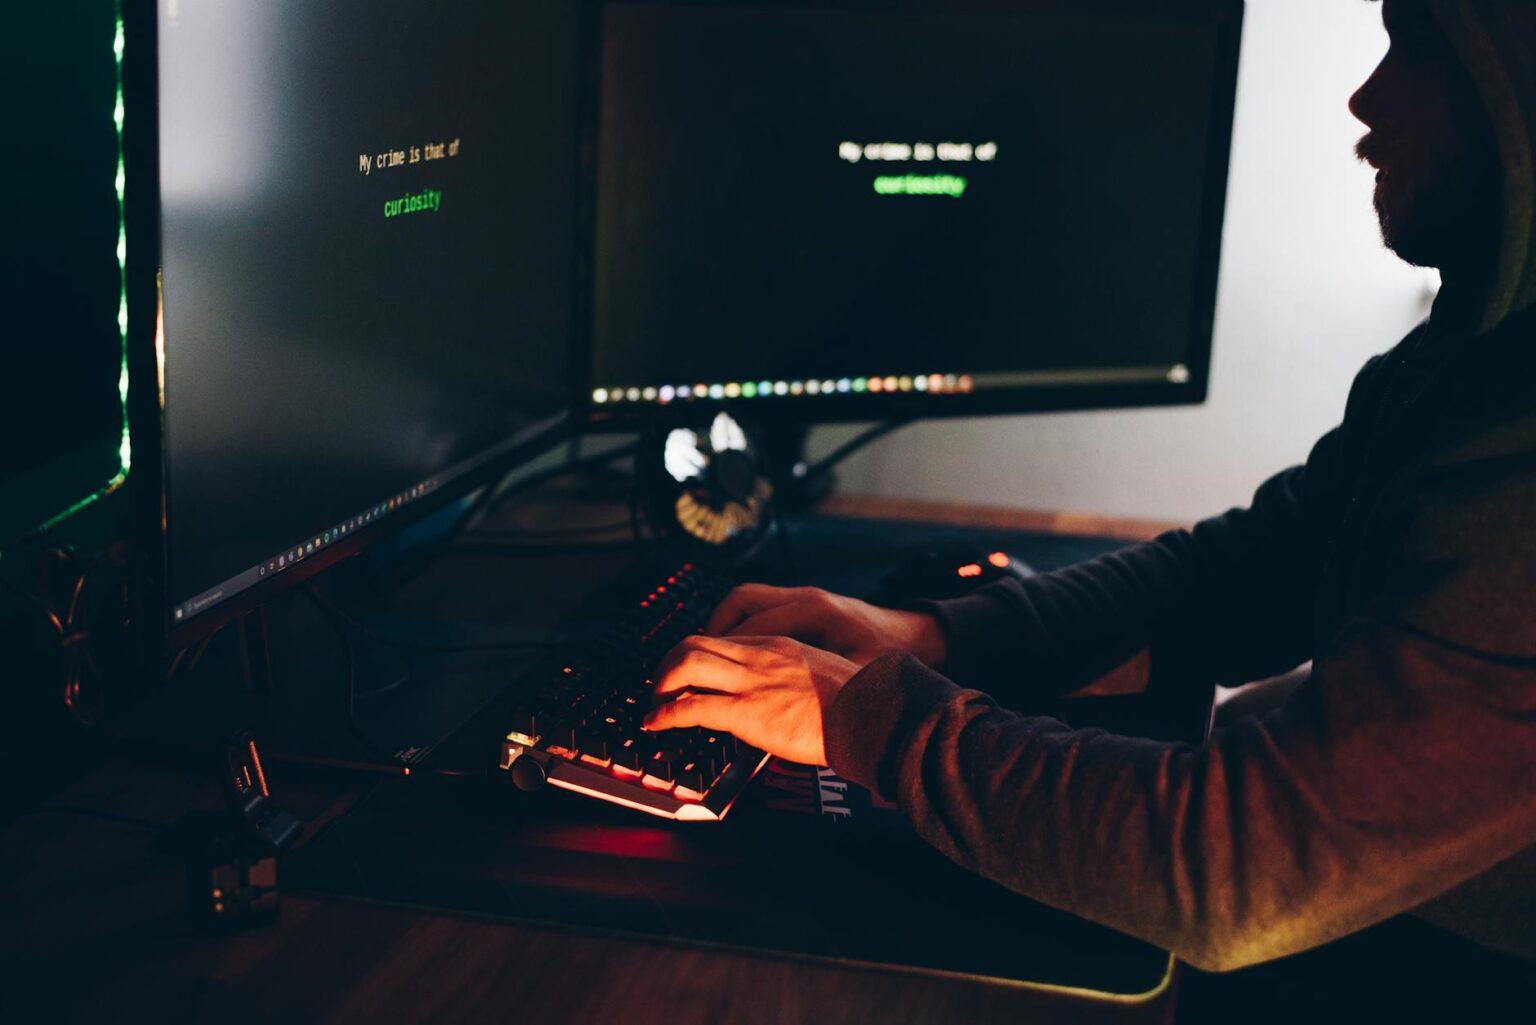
x=1366, y=104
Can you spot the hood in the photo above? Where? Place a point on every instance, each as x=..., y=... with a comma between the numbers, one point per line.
x=1496, y=39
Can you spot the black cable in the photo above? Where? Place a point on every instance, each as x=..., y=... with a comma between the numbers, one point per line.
x=334, y=617
x=170, y=670
x=81, y=700
x=849, y=447
x=191, y=654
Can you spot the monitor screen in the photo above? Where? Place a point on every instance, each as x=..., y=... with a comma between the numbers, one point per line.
x=366, y=242
x=801, y=204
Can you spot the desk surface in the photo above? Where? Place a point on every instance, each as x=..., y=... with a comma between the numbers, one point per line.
x=95, y=931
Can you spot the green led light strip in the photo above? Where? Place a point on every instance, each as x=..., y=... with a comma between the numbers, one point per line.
x=124, y=449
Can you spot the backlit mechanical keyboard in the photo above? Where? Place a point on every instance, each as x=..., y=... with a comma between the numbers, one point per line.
x=578, y=728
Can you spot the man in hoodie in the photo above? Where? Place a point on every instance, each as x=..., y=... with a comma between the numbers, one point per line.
x=1400, y=560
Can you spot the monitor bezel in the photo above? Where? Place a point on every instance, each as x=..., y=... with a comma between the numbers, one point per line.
x=156, y=635
x=1227, y=15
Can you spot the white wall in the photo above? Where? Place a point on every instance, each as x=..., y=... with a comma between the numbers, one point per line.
x=1307, y=293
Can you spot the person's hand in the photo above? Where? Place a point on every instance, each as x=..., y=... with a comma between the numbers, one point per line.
x=770, y=692
x=848, y=627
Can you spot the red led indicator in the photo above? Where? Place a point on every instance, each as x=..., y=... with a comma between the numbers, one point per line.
x=969, y=571
x=998, y=559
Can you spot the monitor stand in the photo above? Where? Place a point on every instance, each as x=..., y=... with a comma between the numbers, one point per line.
x=782, y=446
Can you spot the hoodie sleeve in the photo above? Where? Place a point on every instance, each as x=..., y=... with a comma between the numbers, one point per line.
x=1229, y=600
x=1404, y=766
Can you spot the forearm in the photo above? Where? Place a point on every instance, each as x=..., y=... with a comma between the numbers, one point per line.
x=1279, y=835
x=1027, y=642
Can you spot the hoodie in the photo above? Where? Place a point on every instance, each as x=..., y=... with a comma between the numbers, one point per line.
x=1400, y=559
x=1496, y=41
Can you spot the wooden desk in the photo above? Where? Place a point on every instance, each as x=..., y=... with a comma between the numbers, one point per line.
x=94, y=931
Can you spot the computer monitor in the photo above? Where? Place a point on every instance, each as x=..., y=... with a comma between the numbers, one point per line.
x=862, y=209
x=360, y=214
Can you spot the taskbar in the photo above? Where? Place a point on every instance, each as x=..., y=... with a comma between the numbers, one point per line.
x=300, y=551
x=888, y=384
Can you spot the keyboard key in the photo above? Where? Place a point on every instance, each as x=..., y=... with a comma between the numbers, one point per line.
x=525, y=723
x=628, y=754
x=691, y=775
x=560, y=733
x=662, y=764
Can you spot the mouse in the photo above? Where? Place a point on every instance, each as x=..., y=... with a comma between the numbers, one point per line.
x=950, y=572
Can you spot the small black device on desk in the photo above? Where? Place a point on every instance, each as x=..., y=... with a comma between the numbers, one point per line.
x=230, y=857
x=949, y=572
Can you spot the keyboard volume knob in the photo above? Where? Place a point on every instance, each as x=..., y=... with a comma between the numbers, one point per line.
x=528, y=775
